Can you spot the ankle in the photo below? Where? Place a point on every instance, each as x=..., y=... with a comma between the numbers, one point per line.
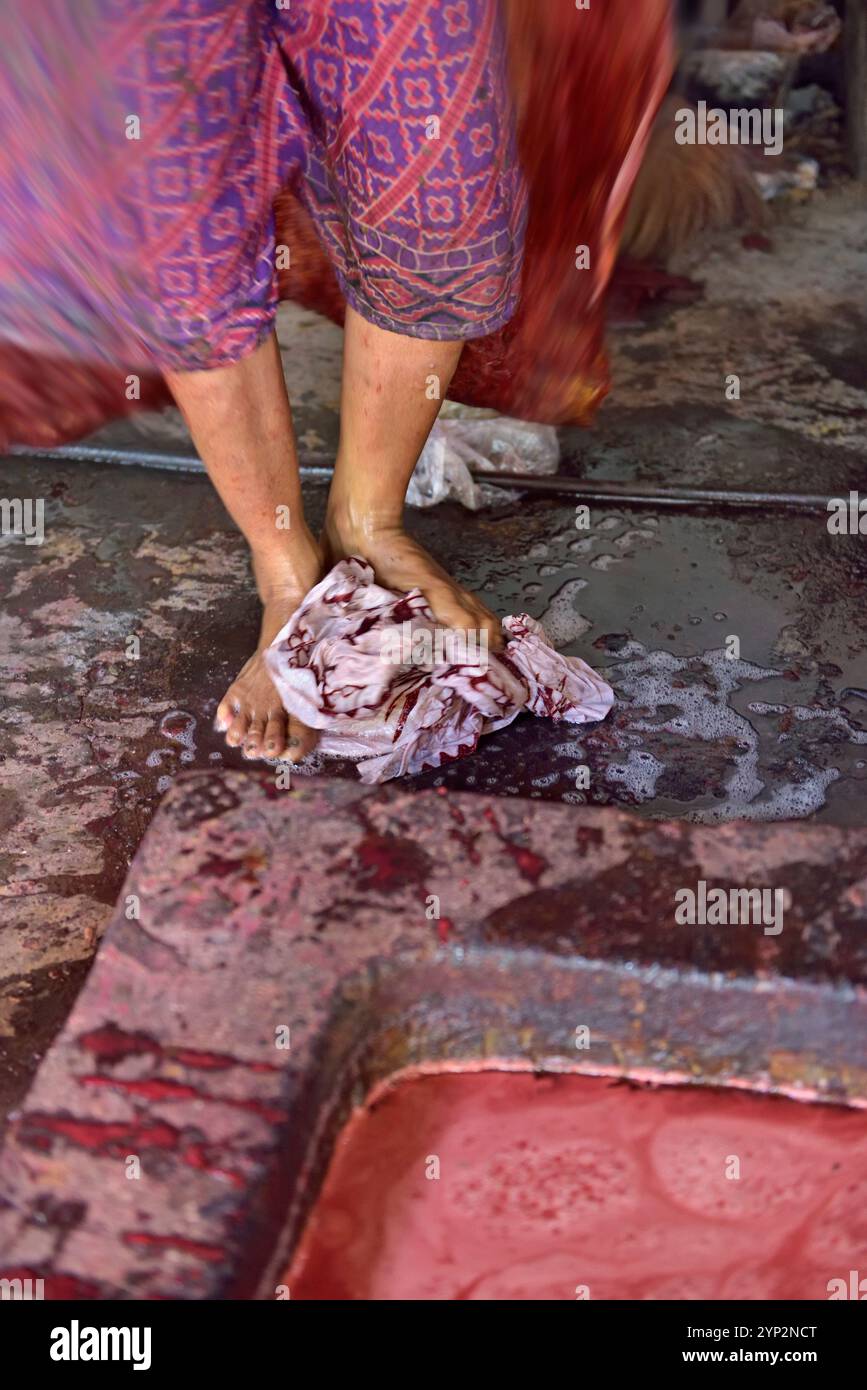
x=348, y=524
x=291, y=568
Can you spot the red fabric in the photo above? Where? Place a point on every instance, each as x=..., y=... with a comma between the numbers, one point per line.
x=587, y=84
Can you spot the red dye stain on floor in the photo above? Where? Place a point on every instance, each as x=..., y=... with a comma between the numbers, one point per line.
x=496, y=1185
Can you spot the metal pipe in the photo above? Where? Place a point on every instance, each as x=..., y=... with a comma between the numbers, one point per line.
x=137, y=458
x=652, y=495
x=552, y=485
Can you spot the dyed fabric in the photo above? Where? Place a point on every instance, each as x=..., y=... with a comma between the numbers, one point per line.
x=371, y=671
x=391, y=118
x=294, y=152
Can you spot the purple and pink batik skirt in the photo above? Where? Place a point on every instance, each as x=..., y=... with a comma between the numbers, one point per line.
x=152, y=140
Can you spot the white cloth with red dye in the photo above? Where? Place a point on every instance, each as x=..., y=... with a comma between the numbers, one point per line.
x=359, y=663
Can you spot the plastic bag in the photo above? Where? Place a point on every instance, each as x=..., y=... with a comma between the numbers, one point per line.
x=499, y=445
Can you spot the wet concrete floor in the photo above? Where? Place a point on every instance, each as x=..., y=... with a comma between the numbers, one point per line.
x=735, y=641
x=121, y=632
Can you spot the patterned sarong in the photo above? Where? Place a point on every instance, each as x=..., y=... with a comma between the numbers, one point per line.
x=146, y=147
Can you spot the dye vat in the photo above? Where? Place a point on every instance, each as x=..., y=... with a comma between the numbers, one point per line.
x=496, y=1185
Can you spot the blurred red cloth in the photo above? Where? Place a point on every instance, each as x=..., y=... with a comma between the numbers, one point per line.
x=587, y=85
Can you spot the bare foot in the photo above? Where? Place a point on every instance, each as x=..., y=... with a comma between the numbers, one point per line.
x=401, y=563
x=251, y=713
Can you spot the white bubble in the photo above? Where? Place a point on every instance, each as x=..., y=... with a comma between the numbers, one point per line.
x=561, y=620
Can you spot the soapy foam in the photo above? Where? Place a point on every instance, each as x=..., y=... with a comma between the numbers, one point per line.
x=803, y=713
x=562, y=622
x=640, y=773
x=644, y=680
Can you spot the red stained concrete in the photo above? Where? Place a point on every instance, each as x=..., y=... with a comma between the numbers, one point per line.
x=550, y=1183
x=262, y=909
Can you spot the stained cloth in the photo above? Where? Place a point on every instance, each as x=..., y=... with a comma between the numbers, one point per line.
x=371, y=671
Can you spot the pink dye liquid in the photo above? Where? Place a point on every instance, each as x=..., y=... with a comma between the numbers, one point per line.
x=550, y=1187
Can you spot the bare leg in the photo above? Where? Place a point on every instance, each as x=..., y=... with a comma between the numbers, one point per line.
x=385, y=418
x=241, y=424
